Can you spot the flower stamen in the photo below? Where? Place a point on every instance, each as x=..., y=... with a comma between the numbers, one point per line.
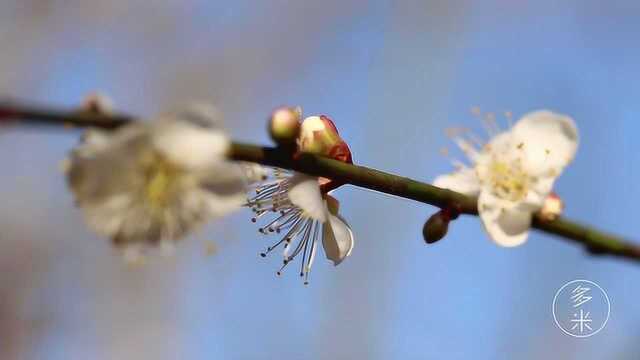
x=508, y=181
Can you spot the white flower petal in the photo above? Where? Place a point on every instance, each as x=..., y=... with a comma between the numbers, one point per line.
x=200, y=114
x=222, y=205
x=225, y=188
x=192, y=136
x=499, y=149
x=500, y=144
x=104, y=217
x=96, y=141
x=548, y=140
x=463, y=181
x=224, y=178
x=537, y=194
x=506, y=227
x=337, y=239
x=305, y=194
x=310, y=125
x=96, y=138
x=254, y=172
x=543, y=185
x=189, y=145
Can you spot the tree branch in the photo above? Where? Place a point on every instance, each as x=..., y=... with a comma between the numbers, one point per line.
x=594, y=241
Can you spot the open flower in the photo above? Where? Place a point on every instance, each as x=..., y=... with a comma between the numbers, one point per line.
x=304, y=211
x=151, y=183
x=514, y=172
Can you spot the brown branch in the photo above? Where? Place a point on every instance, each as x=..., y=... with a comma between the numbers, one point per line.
x=595, y=241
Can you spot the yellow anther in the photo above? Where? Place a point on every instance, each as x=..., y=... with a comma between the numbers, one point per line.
x=509, y=181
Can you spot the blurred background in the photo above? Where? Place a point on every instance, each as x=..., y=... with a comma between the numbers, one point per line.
x=393, y=76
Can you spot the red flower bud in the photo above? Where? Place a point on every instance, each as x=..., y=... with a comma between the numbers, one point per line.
x=319, y=136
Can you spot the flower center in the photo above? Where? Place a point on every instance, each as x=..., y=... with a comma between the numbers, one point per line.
x=161, y=178
x=508, y=180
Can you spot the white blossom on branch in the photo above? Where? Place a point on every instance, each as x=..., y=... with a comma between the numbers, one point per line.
x=514, y=172
x=151, y=183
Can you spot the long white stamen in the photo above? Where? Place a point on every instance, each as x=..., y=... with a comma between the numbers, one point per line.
x=302, y=232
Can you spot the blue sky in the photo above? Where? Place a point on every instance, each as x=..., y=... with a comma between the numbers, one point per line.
x=393, y=76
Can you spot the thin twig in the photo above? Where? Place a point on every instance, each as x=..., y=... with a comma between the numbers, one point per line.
x=37, y=115
x=594, y=241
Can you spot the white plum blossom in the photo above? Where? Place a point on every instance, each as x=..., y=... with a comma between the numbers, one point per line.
x=305, y=216
x=514, y=172
x=151, y=183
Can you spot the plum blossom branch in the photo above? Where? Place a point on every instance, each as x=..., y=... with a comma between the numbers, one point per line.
x=595, y=241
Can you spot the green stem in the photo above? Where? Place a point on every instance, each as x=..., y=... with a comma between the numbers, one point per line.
x=595, y=241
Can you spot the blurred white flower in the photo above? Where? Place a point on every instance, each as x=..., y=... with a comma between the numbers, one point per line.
x=305, y=215
x=151, y=183
x=514, y=172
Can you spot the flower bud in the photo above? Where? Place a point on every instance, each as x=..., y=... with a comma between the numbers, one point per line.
x=97, y=103
x=552, y=207
x=284, y=125
x=319, y=136
x=436, y=227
